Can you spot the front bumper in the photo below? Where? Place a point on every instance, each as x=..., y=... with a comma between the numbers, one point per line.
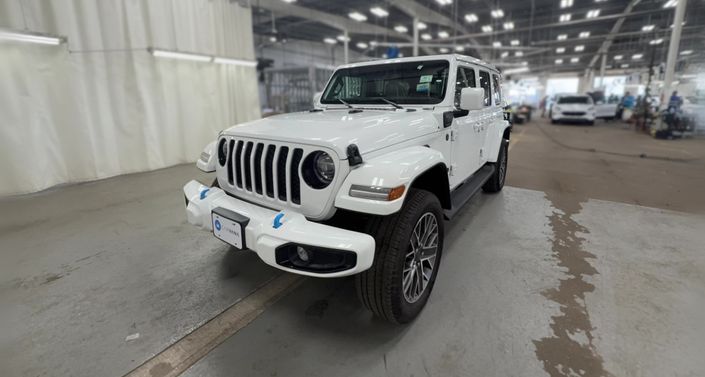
x=587, y=117
x=263, y=238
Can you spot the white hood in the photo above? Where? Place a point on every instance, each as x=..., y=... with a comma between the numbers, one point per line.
x=370, y=130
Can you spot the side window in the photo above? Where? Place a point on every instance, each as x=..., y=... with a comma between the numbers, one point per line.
x=485, y=84
x=465, y=79
x=497, y=90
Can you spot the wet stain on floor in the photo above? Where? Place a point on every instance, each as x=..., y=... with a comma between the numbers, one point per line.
x=570, y=351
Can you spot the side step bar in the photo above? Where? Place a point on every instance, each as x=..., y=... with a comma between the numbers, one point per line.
x=467, y=189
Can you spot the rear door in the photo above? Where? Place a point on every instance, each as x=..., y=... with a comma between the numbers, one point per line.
x=490, y=115
x=465, y=137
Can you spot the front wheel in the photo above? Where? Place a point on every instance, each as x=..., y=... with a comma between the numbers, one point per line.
x=408, y=248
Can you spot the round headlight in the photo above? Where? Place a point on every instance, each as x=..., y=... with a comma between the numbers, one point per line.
x=222, y=152
x=325, y=167
x=318, y=169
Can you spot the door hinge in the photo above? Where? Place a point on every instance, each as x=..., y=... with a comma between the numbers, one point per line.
x=451, y=169
x=453, y=135
x=482, y=152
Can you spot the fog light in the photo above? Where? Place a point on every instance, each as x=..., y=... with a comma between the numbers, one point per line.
x=303, y=254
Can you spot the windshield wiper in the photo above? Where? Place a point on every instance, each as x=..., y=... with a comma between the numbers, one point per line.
x=345, y=103
x=396, y=105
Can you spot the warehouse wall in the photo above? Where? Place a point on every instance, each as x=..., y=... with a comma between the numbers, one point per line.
x=101, y=105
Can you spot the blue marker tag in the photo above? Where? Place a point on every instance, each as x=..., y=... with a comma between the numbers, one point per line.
x=277, y=220
x=204, y=192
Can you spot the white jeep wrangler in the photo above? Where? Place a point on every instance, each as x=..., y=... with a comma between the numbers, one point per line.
x=361, y=184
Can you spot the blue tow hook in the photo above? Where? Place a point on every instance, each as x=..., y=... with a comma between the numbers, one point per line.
x=278, y=220
x=204, y=192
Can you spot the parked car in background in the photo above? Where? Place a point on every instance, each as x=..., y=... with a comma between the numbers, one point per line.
x=361, y=184
x=520, y=113
x=573, y=108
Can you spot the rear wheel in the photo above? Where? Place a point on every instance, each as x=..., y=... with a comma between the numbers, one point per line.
x=496, y=181
x=408, y=252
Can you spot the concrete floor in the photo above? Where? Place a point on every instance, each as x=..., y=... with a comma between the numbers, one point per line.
x=581, y=268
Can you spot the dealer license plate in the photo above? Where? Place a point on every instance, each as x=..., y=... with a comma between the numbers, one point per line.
x=228, y=229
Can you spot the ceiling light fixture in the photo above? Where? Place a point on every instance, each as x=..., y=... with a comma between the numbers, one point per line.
x=426, y=36
x=329, y=41
x=342, y=38
x=379, y=12
x=179, y=55
x=497, y=13
x=559, y=61
x=593, y=13
x=30, y=37
x=670, y=3
x=514, y=71
x=508, y=25
x=519, y=54
x=579, y=48
x=560, y=50
x=624, y=65
x=444, y=2
x=574, y=60
x=486, y=29
x=421, y=26
x=657, y=41
x=357, y=16
x=584, y=34
x=229, y=61
x=637, y=56
x=566, y=3
x=562, y=37
x=496, y=44
x=504, y=54
x=565, y=17
x=443, y=34
x=618, y=57
x=687, y=52
x=443, y=50
x=471, y=18
x=514, y=42
x=361, y=45
x=459, y=48
x=401, y=29
x=648, y=27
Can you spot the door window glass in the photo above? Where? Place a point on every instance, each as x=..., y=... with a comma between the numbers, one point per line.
x=485, y=85
x=464, y=79
x=497, y=90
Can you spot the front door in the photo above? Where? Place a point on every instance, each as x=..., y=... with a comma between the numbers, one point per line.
x=466, y=136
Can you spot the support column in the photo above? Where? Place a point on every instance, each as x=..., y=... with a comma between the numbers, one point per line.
x=416, y=37
x=673, y=47
x=603, y=63
x=345, y=45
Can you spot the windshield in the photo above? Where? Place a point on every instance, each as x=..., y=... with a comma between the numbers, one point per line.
x=574, y=100
x=403, y=83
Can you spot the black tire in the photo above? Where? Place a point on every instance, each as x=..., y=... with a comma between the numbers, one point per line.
x=591, y=123
x=496, y=181
x=553, y=121
x=381, y=287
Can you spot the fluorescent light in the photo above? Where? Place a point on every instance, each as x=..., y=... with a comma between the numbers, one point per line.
x=624, y=65
x=486, y=29
x=562, y=37
x=459, y=48
x=508, y=25
x=584, y=34
x=497, y=13
x=560, y=50
x=379, y=11
x=246, y=63
x=401, y=29
x=496, y=44
x=443, y=34
x=329, y=41
x=504, y=54
x=656, y=41
x=30, y=37
x=515, y=71
x=443, y=50
x=289, y=1
x=519, y=54
x=579, y=48
x=686, y=52
x=565, y=17
x=514, y=42
x=180, y=55
x=566, y=3
x=574, y=60
x=618, y=57
x=559, y=61
x=373, y=43
x=361, y=45
x=342, y=38
x=670, y=3
x=471, y=18
x=648, y=27
x=444, y=2
x=593, y=13
x=637, y=56
x=421, y=26
x=426, y=36
x=357, y=16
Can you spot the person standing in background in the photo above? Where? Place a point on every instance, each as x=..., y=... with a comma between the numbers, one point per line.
x=628, y=103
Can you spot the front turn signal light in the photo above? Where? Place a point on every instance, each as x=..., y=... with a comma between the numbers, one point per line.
x=396, y=193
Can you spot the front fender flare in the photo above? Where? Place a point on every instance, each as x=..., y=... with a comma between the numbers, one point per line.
x=390, y=170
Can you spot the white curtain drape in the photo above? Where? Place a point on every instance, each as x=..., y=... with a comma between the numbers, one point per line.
x=101, y=105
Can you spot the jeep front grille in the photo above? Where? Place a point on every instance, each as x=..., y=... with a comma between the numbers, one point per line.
x=267, y=170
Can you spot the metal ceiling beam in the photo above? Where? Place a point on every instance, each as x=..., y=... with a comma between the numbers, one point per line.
x=423, y=13
x=612, y=34
x=570, y=41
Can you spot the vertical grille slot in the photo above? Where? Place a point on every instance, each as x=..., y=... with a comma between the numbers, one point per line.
x=258, y=167
x=248, y=166
x=294, y=174
x=238, y=164
x=229, y=162
x=269, y=170
x=281, y=172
